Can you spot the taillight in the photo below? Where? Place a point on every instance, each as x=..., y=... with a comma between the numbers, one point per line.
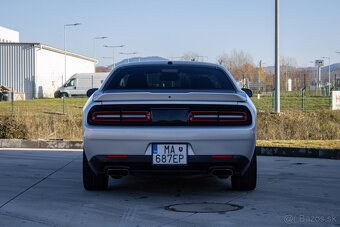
x=105, y=116
x=135, y=116
x=232, y=117
x=120, y=116
x=217, y=117
x=203, y=116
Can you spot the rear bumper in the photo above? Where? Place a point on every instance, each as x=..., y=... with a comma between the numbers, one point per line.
x=142, y=164
x=101, y=140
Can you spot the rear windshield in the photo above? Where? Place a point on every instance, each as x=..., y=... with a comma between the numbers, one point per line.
x=169, y=77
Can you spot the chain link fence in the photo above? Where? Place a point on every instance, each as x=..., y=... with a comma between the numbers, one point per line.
x=12, y=103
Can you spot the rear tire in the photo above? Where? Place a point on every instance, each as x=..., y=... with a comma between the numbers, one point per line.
x=91, y=181
x=247, y=181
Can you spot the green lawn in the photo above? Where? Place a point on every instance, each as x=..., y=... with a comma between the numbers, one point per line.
x=292, y=103
x=48, y=106
x=74, y=105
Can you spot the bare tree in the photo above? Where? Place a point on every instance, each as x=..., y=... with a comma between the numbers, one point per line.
x=235, y=59
x=289, y=71
x=239, y=63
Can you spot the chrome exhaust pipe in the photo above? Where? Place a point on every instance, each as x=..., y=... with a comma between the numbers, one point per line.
x=222, y=173
x=118, y=173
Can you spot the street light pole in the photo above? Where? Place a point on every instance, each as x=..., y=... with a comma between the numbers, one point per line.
x=65, y=69
x=113, y=53
x=277, y=59
x=329, y=72
x=94, y=48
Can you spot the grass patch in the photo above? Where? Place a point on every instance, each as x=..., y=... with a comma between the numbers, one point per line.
x=292, y=103
x=316, y=125
x=62, y=119
x=326, y=144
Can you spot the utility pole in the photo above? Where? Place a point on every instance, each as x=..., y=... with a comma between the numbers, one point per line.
x=65, y=68
x=277, y=59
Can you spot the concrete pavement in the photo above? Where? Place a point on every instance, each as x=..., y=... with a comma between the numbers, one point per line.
x=44, y=188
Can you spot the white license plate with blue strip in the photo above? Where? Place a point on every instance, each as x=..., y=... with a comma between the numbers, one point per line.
x=169, y=154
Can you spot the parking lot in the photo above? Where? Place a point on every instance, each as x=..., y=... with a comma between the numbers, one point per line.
x=44, y=188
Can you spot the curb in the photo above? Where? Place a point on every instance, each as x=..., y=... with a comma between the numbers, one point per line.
x=264, y=151
x=299, y=152
x=49, y=144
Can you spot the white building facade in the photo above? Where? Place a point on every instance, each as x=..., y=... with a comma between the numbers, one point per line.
x=36, y=70
x=8, y=35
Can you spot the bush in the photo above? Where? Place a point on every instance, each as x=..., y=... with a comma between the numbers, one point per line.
x=293, y=125
x=316, y=125
x=12, y=127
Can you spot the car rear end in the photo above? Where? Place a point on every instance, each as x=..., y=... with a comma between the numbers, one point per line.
x=169, y=124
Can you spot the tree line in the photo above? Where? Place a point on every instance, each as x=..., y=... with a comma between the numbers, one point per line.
x=241, y=65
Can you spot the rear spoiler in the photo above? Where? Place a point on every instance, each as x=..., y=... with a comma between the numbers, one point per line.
x=154, y=96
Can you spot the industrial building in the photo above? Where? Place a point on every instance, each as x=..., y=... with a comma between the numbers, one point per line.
x=35, y=70
x=8, y=35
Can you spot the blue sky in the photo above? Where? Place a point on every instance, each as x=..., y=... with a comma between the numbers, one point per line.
x=171, y=28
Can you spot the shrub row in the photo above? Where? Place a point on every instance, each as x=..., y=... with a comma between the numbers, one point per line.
x=319, y=125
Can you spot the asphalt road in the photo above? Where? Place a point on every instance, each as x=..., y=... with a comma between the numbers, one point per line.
x=44, y=188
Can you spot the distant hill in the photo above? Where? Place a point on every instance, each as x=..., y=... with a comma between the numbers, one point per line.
x=141, y=59
x=334, y=67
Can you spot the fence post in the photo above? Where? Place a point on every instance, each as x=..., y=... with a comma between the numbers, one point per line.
x=12, y=101
x=63, y=98
x=273, y=98
x=330, y=97
x=303, y=98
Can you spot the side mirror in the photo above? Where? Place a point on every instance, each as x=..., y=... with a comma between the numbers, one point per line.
x=248, y=92
x=91, y=91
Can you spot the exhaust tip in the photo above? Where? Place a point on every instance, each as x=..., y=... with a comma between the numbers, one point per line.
x=117, y=173
x=222, y=173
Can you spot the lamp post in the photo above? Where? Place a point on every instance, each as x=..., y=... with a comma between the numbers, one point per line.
x=338, y=52
x=94, y=48
x=128, y=54
x=113, y=52
x=329, y=72
x=277, y=55
x=66, y=25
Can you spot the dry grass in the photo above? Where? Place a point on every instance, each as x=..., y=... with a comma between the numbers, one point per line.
x=43, y=119
x=327, y=144
x=316, y=125
x=44, y=126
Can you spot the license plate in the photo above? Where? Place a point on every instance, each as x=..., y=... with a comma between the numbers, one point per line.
x=169, y=154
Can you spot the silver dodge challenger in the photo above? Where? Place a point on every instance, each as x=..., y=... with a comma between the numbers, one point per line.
x=169, y=118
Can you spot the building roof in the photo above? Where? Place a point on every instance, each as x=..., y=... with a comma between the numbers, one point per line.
x=57, y=50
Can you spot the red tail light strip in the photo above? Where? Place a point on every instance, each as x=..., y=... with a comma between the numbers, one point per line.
x=136, y=116
x=121, y=116
x=106, y=116
x=217, y=116
x=203, y=116
x=233, y=117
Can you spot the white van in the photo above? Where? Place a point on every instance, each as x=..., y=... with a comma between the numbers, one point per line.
x=79, y=83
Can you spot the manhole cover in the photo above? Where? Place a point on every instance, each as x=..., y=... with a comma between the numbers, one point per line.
x=204, y=207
